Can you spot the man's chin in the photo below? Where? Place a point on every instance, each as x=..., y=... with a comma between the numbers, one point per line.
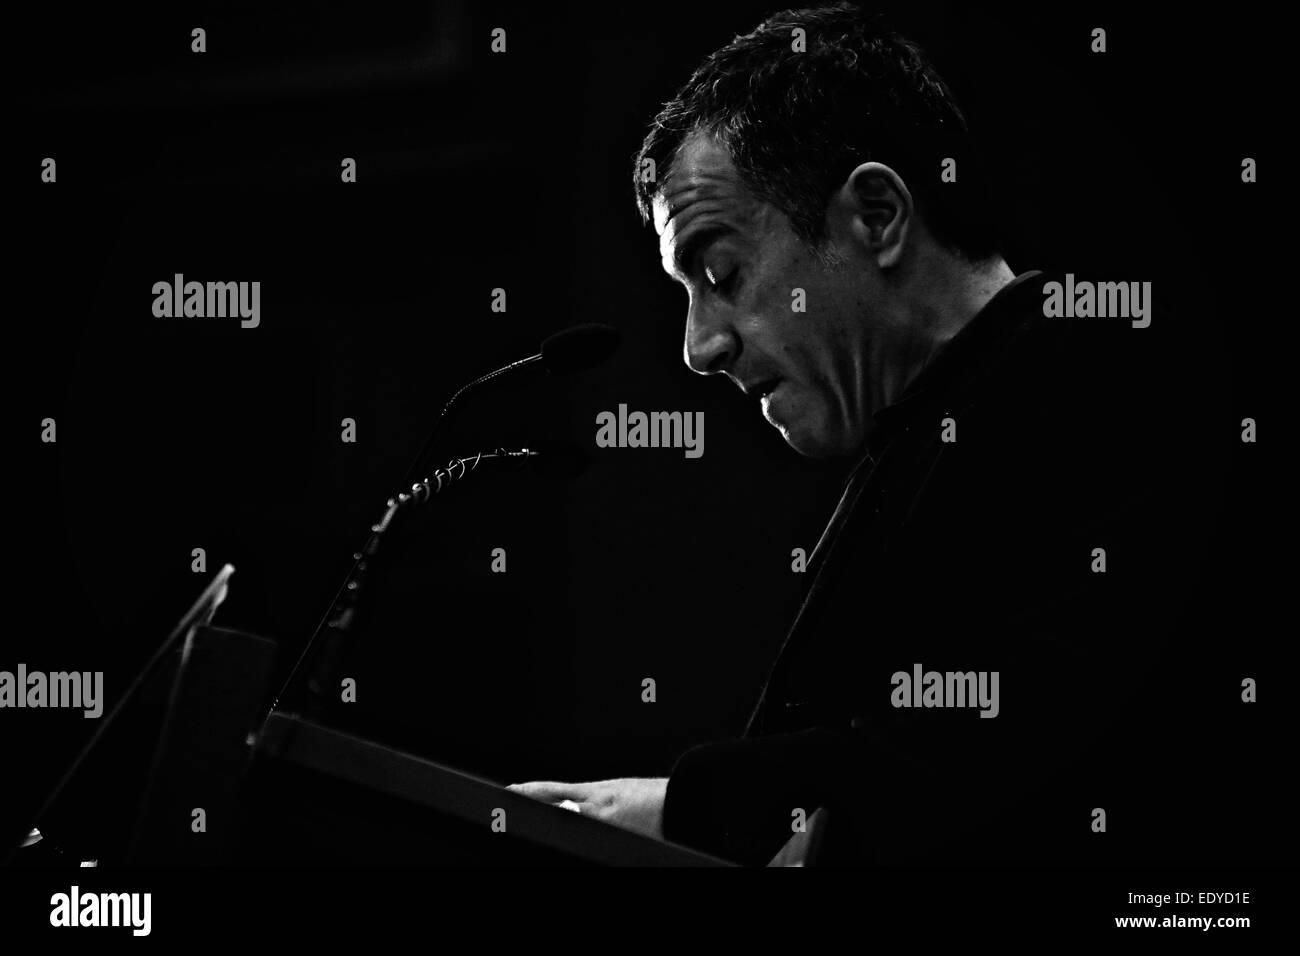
x=814, y=443
x=808, y=445
x=804, y=429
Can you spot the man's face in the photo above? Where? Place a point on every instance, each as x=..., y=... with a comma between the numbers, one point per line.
x=741, y=265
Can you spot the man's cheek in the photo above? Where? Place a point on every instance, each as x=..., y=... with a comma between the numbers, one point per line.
x=802, y=411
x=816, y=414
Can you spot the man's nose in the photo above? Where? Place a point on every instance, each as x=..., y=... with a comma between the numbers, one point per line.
x=711, y=343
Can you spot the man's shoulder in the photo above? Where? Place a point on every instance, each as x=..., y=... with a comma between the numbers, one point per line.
x=1066, y=366
x=1061, y=410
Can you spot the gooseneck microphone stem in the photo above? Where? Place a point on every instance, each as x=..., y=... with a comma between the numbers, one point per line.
x=338, y=619
x=569, y=350
x=417, y=466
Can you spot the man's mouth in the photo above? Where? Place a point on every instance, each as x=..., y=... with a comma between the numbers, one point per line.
x=764, y=389
x=767, y=398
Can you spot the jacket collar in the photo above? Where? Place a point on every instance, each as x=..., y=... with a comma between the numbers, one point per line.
x=966, y=353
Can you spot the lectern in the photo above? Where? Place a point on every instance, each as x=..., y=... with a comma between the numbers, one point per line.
x=230, y=777
x=317, y=795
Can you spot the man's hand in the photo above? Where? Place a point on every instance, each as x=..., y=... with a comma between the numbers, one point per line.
x=634, y=803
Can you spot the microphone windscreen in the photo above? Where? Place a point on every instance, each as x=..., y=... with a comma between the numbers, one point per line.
x=580, y=347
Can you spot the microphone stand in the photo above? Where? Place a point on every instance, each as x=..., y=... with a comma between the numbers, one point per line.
x=569, y=350
x=339, y=618
x=566, y=351
x=414, y=472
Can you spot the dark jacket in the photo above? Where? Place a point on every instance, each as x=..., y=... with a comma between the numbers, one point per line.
x=968, y=555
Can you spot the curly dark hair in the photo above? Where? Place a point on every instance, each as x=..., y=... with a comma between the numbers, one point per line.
x=796, y=123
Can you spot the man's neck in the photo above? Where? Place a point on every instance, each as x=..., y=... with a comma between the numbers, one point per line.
x=951, y=294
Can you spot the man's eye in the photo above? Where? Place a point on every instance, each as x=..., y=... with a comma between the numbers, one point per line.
x=721, y=283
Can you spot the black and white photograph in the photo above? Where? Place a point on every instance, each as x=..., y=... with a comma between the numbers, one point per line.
x=463, y=446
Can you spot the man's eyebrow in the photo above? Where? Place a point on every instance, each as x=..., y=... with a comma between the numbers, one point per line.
x=684, y=254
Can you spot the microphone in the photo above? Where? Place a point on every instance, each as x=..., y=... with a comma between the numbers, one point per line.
x=580, y=347
x=567, y=351
x=570, y=350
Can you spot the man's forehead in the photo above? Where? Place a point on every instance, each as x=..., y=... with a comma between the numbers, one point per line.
x=701, y=179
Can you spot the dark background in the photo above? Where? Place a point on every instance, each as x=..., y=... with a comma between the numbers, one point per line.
x=479, y=171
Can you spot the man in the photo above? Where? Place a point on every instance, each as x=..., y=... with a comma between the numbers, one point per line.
x=998, y=457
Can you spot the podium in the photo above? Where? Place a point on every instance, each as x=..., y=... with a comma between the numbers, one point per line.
x=276, y=788
x=319, y=796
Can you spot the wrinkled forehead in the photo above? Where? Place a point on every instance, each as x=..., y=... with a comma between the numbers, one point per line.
x=702, y=185
x=686, y=195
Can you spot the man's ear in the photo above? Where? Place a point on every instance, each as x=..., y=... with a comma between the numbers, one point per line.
x=880, y=212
